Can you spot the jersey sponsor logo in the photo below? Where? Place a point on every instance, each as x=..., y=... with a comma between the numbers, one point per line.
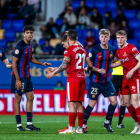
x=134, y=49
x=99, y=56
x=123, y=60
x=90, y=55
x=16, y=51
x=125, y=54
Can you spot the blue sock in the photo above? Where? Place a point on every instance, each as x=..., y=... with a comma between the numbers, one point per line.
x=18, y=119
x=29, y=116
x=111, y=110
x=88, y=111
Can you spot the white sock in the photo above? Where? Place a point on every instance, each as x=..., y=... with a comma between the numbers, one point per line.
x=18, y=125
x=29, y=123
x=84, y=125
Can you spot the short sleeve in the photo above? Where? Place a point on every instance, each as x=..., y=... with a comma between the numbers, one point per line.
x=17, y=51
x=134, y=51
x=66, y=56
x=2, y=54
x=66, y=53
x=91, y=55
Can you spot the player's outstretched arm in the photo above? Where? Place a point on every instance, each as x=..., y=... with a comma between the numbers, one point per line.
x=61, y=68
x=130, y=73
x=14, y=66
x=113, y=65
x=35, y=61
x=7, y=64
x=51, y=69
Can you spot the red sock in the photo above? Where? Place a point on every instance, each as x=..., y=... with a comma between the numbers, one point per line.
x=138, y=114
x=72, y=118
x=132, y=112
x=80, y=118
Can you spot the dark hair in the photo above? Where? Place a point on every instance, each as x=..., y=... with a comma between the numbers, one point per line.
x=28, y=27
x=72, y=34
x=64, y=38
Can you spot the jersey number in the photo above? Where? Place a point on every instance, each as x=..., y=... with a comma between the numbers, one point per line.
x=80, y=57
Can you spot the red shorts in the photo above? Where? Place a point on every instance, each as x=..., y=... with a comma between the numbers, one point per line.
x=131, y=86
x=76, y=91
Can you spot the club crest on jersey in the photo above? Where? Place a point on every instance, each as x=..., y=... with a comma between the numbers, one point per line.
x=110, y=55
x=32, y=49
x=0, y=54
x=124, y=54
x=93, y=96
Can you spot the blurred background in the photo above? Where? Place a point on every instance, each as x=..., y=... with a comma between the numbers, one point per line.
x=51, y=18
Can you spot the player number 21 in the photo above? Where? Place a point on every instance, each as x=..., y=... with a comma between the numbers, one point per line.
x=80, y=57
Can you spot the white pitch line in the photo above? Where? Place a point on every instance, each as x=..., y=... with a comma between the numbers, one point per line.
x=53, y=121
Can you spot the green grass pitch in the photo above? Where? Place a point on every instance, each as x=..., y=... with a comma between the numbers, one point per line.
x=50, y=124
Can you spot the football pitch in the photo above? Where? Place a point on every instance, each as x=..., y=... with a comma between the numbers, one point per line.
x=50, y=124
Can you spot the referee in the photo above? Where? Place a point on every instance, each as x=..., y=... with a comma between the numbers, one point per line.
x=117, y=77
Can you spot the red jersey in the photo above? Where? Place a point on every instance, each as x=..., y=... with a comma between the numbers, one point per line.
x=127, y=57
x=75, y=69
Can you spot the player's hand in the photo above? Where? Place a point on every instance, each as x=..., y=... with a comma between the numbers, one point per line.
x=87, y=70
x=129, y=75
x=51, y=69
x=46, y=64
x=51, y=74
x=102, y=71
x=18, y=84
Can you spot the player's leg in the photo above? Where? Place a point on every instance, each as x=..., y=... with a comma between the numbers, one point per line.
x=80, y=115
x=72, y=98
x=135, y=104
x=29, y=110
x=117, y=83
x=29, y=105
x=80, y=108
x=17, y=111
x=93, y=93
x=109, y=91
x=18, y=96
x=121, y=113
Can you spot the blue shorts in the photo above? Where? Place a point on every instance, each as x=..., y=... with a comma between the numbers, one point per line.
x=26, y=85
x=95, y=89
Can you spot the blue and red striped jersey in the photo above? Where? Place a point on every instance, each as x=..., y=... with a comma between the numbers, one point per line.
x=101, y=58
x=2, y=54
x=23, y=52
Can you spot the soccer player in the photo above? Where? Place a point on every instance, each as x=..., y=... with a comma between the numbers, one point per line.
x=117, y=78
x=101, y=55
x=21, y=79
x=74, y=59
x=4, y=59
x=130, y=59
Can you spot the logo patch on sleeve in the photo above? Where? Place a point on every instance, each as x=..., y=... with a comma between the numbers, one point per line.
x=90, y=55
x=16, y=51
